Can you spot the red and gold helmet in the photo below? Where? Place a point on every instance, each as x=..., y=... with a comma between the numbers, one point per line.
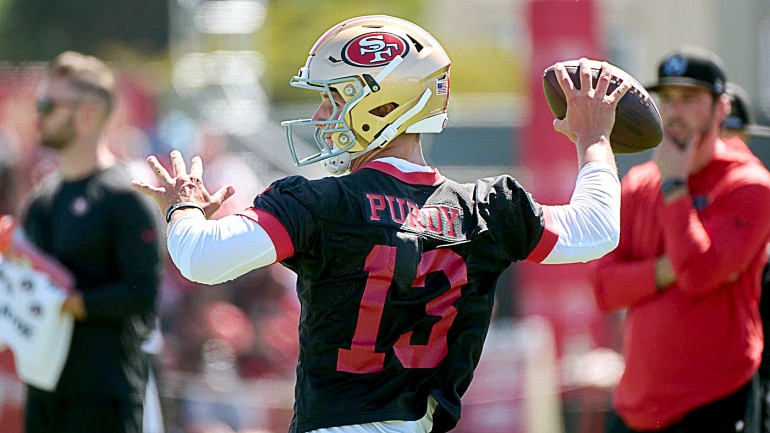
x=373, y=61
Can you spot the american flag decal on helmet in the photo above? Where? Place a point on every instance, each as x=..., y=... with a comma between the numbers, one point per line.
x=442, y=86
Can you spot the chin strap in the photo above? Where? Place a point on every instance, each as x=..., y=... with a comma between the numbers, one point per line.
x=338, y=164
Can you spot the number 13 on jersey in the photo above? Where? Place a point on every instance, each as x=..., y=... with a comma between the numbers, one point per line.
x=362, y=358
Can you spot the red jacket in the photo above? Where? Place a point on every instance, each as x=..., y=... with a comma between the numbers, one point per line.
x=700, y=339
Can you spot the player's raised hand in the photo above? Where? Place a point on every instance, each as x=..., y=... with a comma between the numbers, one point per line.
x=181, y=187
x=590, y=110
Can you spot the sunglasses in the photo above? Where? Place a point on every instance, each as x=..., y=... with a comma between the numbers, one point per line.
x=46, y=106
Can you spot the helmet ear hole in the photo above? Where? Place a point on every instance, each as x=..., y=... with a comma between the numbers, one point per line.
x=383, y=110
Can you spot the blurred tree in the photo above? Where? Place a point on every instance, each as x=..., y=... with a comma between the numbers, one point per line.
x=293, y=26
x=134, y=31
x=41, y=29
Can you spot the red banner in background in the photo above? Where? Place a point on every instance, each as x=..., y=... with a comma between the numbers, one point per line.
x=560, y=30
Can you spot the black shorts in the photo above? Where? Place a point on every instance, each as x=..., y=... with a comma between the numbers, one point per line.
x=50, y=412
x=728, y=415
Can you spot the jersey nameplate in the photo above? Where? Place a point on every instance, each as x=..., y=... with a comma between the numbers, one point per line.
x=436, y=220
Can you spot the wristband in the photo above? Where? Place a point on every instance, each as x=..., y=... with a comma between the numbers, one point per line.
x=183, y=205
x=669, y=185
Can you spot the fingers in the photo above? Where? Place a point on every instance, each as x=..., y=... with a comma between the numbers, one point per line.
x=586, y=76
x=150, y=190
x=560, y=125
x=620, y=91
x=586, y=79
x=179, y=168
x=223, y=194
x=694, y=139
x=196, y=167
x=605, y=76
x=692, y=145
x=179, y=186
x=160, y=172
x=586, y=82
x=603, y=82
x=567, y=86
x=177, y=164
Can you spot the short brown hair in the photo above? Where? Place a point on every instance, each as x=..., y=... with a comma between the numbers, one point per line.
x=87, y=74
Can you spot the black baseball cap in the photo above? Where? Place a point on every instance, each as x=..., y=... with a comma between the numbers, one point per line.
x=691, y=66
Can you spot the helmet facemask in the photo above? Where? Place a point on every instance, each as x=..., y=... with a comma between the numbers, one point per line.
x=335, y=127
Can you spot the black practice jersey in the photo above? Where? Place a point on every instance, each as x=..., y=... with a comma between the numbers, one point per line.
x=396, y=278
x=106, y=234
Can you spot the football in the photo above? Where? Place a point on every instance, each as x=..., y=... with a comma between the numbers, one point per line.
x=638, y=126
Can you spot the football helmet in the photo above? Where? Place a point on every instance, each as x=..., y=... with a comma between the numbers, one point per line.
x=372, y=61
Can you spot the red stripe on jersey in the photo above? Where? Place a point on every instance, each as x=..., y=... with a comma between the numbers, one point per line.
x=432, y=177
x=547, y=241
x=277, y=232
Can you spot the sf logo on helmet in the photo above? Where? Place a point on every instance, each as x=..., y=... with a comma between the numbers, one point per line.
x=374, y=49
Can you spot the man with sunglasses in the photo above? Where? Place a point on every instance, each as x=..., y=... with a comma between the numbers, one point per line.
x=86, y=216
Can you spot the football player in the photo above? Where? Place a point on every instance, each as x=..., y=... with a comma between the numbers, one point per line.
x=396, y=264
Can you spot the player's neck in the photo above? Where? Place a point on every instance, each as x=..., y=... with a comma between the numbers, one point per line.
x=405, y=146
x=83, y=159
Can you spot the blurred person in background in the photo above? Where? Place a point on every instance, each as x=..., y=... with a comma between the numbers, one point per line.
x=741, y=120
x=396, y=264
x=740, y=124
x=694, y=224
x=87, y=217
x=8, y=189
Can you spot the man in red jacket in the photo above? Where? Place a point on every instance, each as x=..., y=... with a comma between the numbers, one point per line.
x=694, y=224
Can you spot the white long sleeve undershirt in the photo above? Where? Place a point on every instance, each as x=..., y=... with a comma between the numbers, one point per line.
x=589, y=226
x=215, y=251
